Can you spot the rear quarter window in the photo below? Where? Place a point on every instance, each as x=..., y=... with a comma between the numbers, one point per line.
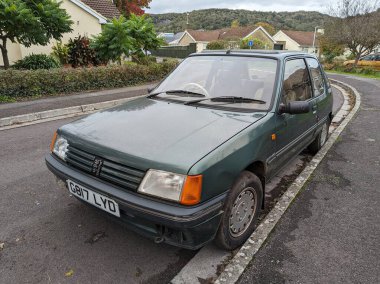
x=317, y=77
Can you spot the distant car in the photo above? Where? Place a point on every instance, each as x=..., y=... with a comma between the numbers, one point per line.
x=189, y=162
x=372, y=60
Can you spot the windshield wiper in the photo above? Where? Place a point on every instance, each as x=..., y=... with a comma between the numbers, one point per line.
x=179, y=93
x=231, y=99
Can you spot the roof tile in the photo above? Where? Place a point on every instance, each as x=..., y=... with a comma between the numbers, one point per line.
x=302, y=38
x=104, y=7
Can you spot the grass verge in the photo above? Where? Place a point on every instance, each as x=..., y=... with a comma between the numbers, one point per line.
x=369, y=76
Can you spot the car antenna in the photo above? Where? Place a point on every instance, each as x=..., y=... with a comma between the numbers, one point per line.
x=229, y=51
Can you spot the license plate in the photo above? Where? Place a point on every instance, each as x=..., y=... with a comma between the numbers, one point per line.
x=94, y=198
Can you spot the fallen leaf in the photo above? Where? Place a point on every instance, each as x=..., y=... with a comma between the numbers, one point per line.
x=96, y=237
x=69, y=273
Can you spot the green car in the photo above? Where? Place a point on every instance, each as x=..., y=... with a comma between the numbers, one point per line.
x=188, y=163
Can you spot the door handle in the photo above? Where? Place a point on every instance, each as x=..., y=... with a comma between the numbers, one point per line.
x=314, y=108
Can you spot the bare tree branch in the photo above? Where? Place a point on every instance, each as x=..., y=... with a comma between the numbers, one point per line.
x=355, y=24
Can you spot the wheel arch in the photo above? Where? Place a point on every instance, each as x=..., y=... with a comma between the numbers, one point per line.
x=259, y=168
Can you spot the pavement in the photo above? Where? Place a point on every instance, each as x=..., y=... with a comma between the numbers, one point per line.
x=64, y=101
x=49, y=236
x=331, y=233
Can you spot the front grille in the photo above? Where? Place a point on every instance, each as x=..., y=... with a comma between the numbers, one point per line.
x=116, y=173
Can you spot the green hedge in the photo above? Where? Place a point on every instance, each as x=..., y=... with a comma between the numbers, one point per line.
x=29, y=83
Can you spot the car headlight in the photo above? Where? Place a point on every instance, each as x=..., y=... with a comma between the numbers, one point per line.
x=180, y=188
x=59, y=146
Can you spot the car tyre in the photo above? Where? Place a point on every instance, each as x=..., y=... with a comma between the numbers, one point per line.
x=241, y=211
x=321, y=139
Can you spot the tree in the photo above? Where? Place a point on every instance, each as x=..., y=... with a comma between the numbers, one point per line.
x=355, y=25
x=123, y=37
x=141, y=29
x=217, y=45
x=235, y=24
x=329, y=49
x=257, y=44
x=129, y=7
x=114, y=41
x=31, y=22
x=268, y=27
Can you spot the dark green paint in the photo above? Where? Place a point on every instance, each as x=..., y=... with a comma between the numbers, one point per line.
x=219, y=144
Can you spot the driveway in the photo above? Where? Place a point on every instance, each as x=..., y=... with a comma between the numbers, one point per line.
x=331, y=233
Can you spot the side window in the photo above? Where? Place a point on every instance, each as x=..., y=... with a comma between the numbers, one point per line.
x=316, y=76
x=296, y=86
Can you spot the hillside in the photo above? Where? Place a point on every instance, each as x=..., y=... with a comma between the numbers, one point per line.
x=211, y=19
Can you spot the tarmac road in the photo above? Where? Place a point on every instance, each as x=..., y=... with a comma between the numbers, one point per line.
x=49, y=236
x=331, y=233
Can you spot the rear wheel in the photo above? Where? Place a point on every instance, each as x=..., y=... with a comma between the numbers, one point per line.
x=241, y=210
x=321, y=138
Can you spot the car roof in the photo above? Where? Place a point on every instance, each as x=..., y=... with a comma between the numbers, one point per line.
x=281, y=54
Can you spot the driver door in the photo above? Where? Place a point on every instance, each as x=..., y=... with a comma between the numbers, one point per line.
x=294, y=131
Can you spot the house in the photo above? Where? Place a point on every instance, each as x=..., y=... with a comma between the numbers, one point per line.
x=88, y=17
x=167, y=37
x=202, y=38
x=298, y=41
x=176, y=38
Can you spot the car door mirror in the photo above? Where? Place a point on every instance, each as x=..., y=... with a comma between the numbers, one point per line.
x=295, y=107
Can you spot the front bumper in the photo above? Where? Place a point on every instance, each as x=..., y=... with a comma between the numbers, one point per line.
x=185, y=226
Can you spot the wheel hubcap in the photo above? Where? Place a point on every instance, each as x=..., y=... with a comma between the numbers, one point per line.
x=242, y=212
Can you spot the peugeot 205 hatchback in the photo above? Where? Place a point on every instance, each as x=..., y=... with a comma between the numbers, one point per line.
x=188, y=163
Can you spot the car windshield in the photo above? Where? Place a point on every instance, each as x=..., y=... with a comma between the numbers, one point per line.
x=222, y=76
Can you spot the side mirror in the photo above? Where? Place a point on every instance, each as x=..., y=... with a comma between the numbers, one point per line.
x=295, y=107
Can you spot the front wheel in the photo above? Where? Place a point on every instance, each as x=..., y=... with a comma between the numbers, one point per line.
x=241, y=211
x=321, y=138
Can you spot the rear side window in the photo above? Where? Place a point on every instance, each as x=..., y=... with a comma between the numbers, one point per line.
x=316, y=76
x=296, y=85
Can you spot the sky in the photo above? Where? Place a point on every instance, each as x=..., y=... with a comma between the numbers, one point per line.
x=166, y=6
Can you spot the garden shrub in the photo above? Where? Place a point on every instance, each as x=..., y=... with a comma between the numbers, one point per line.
x=28, y=83
x=80, y=54
x=340, y=67
x=145, y=60
x=60, y=52
x=37, y=61
x=257, y=44
x=217, y=45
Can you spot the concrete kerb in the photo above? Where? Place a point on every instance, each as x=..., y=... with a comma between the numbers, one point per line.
x=243, y=257
x=55, y=114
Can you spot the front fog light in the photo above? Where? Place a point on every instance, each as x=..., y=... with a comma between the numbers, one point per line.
x=60, y=147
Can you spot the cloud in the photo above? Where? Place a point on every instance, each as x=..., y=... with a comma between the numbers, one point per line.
x=166, y=6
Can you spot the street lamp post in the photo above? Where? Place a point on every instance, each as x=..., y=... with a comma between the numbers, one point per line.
x=315, y=35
